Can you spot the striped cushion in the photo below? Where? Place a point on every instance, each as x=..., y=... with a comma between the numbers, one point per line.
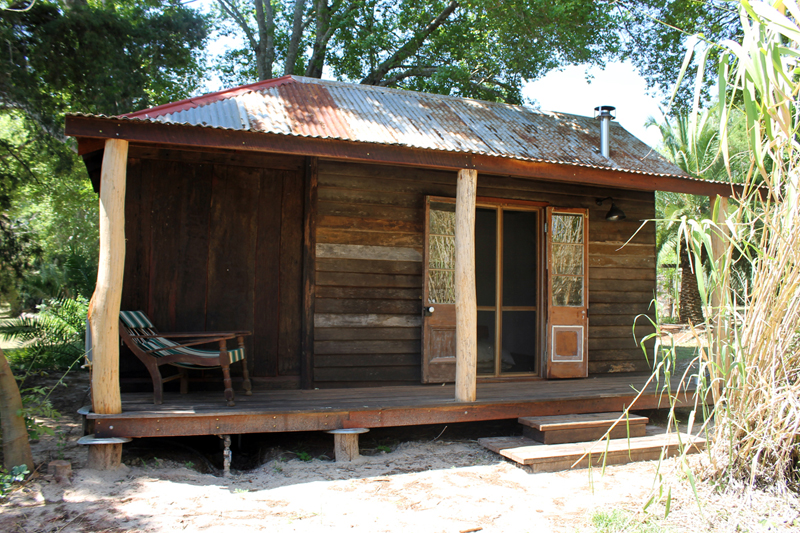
x=235, y=355
x=160, y=342
x=135, y=319
x=139, y=324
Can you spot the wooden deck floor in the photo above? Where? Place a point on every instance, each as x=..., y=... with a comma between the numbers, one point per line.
x=318, y=410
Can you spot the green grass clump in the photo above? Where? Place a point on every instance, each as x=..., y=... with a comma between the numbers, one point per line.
x=618, y=521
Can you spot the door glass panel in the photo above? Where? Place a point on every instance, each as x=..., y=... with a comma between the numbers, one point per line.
x=568, y=291
x=443, y=218
x=567, y=261
x=441, y=253
x=519, y=258
x=486, y=336
x=519, y=342
x=485, y=256
x=567, y=228
x=441, y=287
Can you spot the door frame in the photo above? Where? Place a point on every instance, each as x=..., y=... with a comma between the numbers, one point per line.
x=572, y=319
x=502, y=205
x=498, y=204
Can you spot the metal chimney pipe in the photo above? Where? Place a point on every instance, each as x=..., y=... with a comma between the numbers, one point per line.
x=605, y=113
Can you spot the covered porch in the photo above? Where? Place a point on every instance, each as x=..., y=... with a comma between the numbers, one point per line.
x=205, y=413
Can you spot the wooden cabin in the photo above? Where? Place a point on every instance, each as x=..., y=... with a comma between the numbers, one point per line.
x=327, y=219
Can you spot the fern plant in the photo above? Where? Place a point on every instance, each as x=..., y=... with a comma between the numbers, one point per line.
x=53, y=338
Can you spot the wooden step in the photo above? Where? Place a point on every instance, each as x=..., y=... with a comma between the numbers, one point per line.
x=555, y=457
x=581, y=428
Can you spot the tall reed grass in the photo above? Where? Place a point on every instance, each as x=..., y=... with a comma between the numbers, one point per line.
x=749, y=374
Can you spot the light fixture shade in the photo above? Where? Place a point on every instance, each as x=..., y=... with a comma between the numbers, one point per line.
x=615, y=213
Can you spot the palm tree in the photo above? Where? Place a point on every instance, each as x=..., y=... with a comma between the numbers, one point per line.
x=692, y=143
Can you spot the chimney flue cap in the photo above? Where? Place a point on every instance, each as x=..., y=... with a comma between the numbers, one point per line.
x=603, y=111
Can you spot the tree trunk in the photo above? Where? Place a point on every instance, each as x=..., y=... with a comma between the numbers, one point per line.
x=265, y=49
x=294, y=41
x=466, y=304
x=691, y=308
x=323, y=19
x=16, y=448
x=105, y=303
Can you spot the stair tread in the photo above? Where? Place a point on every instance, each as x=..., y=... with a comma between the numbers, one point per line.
x=528, y=452
x=588, y=420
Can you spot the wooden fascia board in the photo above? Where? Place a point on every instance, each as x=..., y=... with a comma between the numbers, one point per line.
x=86, y=129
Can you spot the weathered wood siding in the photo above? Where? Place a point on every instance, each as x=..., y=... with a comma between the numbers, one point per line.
x=370, y=232
x=215, y=242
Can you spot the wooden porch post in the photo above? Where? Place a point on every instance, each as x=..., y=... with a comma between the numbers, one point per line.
x=466, y=302
x=104, y=307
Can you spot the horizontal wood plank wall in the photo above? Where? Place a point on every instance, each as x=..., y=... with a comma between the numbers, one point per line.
x=216, y=246
x=370, y=232
x=370, y=228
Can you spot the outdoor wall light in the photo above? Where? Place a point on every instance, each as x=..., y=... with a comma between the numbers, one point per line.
x=615, y=213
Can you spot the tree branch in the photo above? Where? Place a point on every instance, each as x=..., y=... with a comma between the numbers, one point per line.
x=19, y=160
x=411, y=46
x=324, y=32
x=412, y=72
x=229, y=8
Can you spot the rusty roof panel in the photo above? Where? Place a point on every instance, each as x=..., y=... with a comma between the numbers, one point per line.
x=310, y=107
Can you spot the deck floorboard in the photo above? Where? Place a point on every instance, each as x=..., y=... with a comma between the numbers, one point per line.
x=199, y=413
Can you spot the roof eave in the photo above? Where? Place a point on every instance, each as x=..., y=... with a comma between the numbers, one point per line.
x=100, y=128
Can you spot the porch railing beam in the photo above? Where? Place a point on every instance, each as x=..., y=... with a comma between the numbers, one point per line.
x=466, y=301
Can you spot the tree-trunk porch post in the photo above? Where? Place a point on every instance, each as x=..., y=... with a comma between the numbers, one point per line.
x=466, y=301
x=105, y=305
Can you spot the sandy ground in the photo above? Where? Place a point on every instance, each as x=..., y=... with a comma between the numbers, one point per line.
x=436, y=484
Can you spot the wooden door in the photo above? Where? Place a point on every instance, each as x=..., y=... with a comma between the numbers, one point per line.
x=438, y=295
x=567, y=321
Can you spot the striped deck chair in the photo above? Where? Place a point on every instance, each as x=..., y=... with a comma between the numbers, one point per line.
x=155, y=349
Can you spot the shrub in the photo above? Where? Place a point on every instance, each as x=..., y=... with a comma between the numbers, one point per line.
x=53, y=338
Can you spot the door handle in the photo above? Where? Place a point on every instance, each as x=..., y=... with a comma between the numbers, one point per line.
x=428, y=310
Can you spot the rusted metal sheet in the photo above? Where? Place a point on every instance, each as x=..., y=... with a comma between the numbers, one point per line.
x=323, y=109
x=178, y=135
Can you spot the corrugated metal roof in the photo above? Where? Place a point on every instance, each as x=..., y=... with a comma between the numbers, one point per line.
x=310, y=107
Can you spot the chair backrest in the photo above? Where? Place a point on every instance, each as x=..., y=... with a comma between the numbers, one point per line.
x=137, y=323
x=136, y=320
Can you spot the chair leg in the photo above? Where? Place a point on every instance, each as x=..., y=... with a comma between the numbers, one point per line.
x=248, y=388
x=184, y=380
x=158, y=384
x=225, y=362
x=151, y=365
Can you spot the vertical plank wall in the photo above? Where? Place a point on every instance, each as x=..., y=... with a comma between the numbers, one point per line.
x=214, y=246
x=370, y=231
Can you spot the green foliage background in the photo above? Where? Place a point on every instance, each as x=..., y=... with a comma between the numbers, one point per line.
x=115, y=56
